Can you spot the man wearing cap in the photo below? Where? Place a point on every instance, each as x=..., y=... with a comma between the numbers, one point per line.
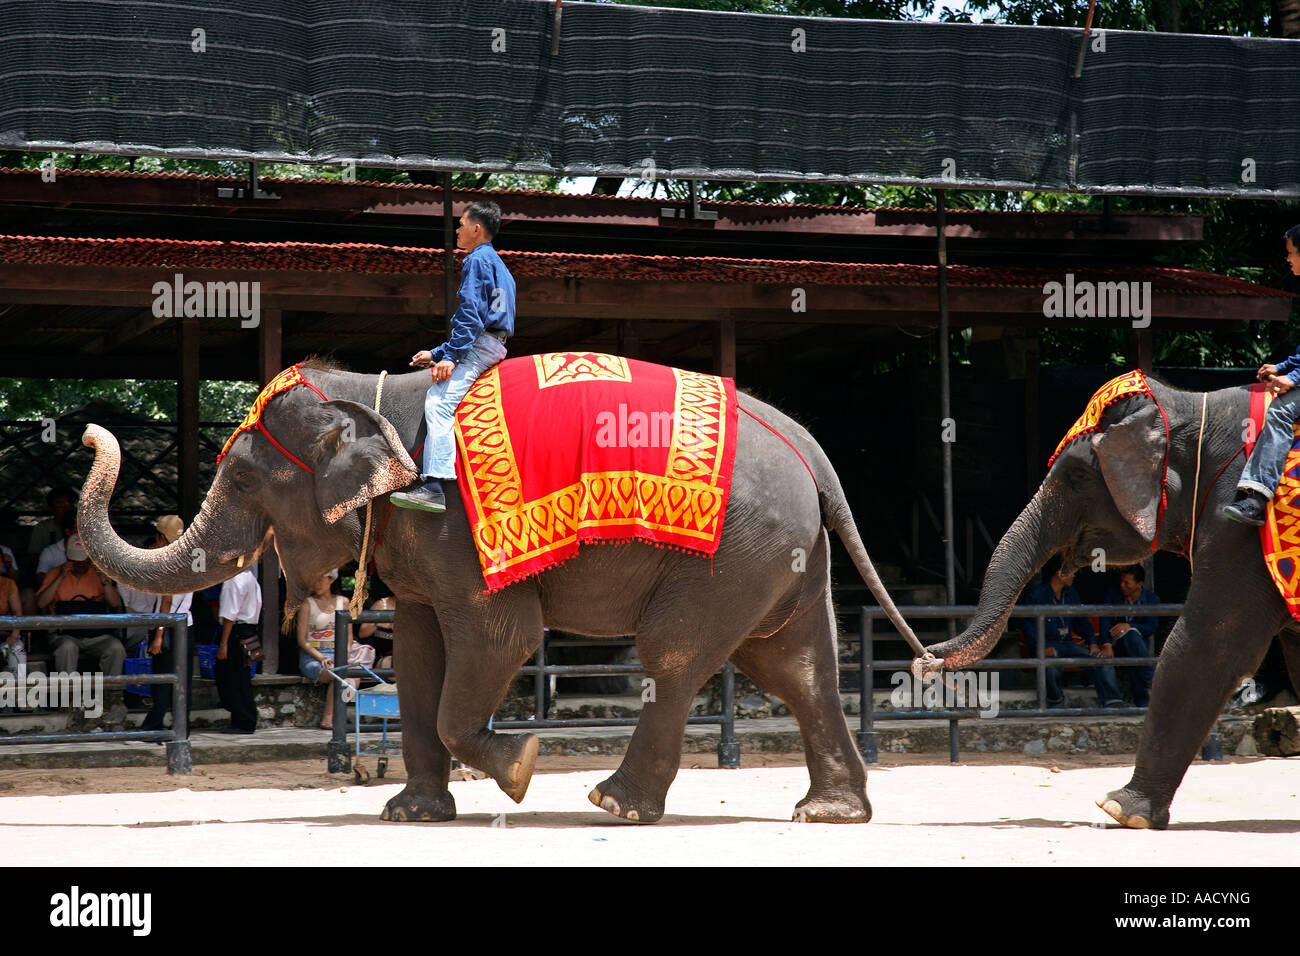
x=77, y=587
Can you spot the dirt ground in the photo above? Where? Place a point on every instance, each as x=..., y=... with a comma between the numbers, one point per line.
x=987, y=810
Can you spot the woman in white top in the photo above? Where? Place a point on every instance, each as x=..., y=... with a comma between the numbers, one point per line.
x=316, y=640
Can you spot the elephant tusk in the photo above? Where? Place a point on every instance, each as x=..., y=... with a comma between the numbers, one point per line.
x=240, y=562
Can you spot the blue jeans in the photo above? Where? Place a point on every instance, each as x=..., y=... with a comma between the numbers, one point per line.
x=440, y=404
x=1264, y=469
x=1132, y=644
x=1103, y=678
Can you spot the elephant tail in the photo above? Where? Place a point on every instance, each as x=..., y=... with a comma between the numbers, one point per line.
x=837, y=517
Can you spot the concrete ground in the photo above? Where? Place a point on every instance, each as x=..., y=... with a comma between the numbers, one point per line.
x=992, y=810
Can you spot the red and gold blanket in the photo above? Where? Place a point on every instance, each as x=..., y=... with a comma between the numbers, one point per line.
x=566, y=448
x=1121, y=386
x=1280, y=536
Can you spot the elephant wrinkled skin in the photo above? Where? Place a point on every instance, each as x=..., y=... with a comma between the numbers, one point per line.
x=1104, y=492
x=764, y=601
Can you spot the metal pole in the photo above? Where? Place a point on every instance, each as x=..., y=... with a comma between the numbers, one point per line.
x=540, y=680
x=448, y=254
x=178, y=748
x=868, y=739
x=728, y=746
x=945, y=405
x=1041, y=623
x=954, y=743
x=340, y=759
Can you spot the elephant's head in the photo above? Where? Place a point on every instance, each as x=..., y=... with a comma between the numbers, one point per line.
x=353, y=453
x=1101, y=499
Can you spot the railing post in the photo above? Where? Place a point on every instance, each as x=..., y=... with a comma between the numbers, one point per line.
x=340, y=758
x=541, y=681
x=1041, y=628
x=728, y=745
x=868, y=739
x=179, y=758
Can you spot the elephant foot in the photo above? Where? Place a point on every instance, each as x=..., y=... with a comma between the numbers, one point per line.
x=833, y=808
x=1134, y=810
x=519, y=770
x=613, y=797
x=420, y=807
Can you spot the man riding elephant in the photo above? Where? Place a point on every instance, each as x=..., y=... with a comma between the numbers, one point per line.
x=479, y=330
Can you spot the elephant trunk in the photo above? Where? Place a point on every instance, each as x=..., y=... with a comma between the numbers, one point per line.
x=192, y=562
x=1028, y=544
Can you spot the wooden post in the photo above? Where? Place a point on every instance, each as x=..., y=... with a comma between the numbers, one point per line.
x=1140, y=349
x=187, y=417
x=724, y=349
x=629, y=341
x=269, y=362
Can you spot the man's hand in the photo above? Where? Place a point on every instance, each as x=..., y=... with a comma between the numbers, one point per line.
x=422, y=359
x=155, y=646
x=1118, y=630
x=1280, y=384
x=1107, y=650
x=1266, y=372
x=1049, y=652
x=443, y=370
x=221, y=652
x=14, y=638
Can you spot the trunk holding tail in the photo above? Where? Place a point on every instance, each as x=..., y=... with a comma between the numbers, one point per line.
x=1022, y=551
x=195, y=560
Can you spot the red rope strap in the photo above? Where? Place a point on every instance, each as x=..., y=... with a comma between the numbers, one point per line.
x=786, y=440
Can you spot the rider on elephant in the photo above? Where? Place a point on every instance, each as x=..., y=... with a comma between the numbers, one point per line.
x=479, y=329
x=1259, y=479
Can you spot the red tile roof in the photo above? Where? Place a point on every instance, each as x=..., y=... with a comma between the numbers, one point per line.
x=506, y=193
x=368, y=258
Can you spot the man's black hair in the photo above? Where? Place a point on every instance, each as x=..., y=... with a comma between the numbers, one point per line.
x=1051, y=567
x=487, y=214
x=68, y=523
x=60, y=491
x=1294, y=235
x=1139, y=575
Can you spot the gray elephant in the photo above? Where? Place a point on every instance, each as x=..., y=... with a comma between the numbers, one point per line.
x=1119, y=489
x=758, y=603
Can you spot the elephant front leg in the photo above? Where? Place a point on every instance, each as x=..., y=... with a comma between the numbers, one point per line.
x=420, y=661
x=1200, y=665
x=481, y=664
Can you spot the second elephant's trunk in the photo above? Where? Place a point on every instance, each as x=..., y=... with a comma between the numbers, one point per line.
x=1028, y=544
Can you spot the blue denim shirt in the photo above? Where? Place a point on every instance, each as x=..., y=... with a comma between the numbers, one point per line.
x=1290, y=367
x=1146, y=624
x=482, y=274
x=1058, y=628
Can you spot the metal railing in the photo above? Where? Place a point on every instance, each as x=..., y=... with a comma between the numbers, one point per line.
x=177, y=739
x=340, y=757
x=868, y=739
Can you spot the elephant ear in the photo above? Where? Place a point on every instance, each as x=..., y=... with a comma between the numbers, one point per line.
x=1132, y=457
x=357, y=456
